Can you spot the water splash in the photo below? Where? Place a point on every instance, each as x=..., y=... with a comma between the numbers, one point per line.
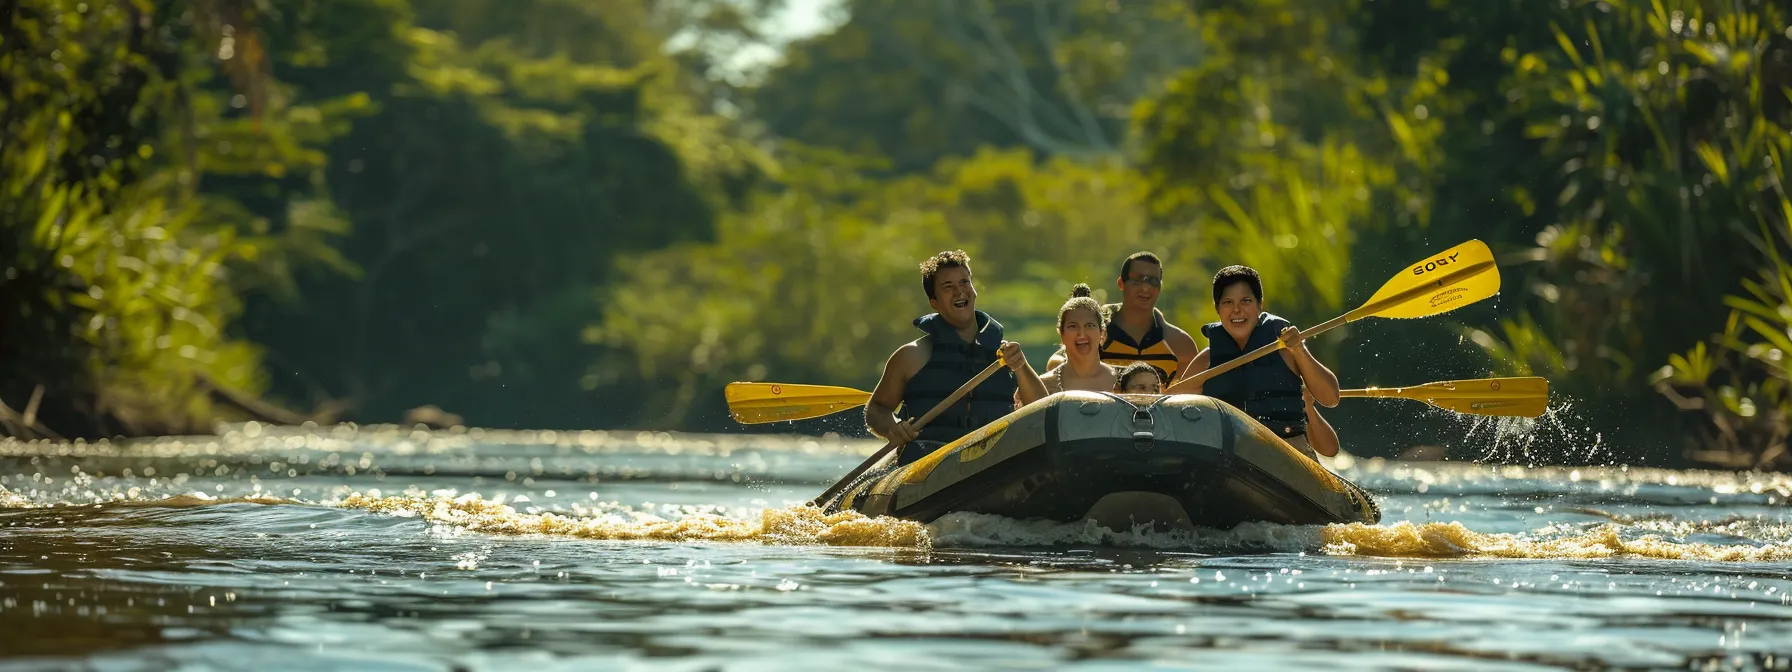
x=1656, y=537
x=808, y=526
x=1515, y=440
x=788, y=526
x=1453, y=540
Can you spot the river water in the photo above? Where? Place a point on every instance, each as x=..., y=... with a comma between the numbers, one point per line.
x=386, y=548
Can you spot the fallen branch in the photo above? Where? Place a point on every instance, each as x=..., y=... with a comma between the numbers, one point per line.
x=37, y=397
x=1684, y=402
x=258, y=409
x=26, y=426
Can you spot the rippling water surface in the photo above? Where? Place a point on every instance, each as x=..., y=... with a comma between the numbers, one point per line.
x=380, y=548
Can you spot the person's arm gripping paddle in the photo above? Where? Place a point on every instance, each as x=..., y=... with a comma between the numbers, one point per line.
x=913, y=425
x=1320, y=381
x=1031, y=388
x=880, y=412
x=1439, y=284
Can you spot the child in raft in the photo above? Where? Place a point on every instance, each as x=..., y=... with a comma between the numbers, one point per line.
x=1141, y=378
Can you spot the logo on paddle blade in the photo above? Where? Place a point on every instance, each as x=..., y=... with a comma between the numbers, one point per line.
x=777, y=390
x=1434, y=264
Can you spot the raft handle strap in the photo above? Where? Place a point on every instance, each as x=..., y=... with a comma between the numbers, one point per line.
x=1143, y=425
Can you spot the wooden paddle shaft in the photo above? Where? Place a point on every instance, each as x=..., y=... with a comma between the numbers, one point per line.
x=1365, y=310
x=919, y=423
x=1372, y=392
x=1258, y=353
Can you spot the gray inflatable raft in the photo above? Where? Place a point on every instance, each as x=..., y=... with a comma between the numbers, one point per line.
x=1173, y=461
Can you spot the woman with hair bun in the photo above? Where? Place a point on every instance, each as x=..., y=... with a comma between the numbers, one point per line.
x=1082, y=328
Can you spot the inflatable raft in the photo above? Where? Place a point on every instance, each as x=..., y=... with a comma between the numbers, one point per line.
x=1174, y=461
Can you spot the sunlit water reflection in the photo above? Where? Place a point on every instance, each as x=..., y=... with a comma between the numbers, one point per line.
x=282, y=548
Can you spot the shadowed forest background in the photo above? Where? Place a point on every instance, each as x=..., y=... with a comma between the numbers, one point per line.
x=595, y=213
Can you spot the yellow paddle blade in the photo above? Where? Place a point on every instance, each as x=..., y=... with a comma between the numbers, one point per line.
x=759, y=403
x=1526, y=397
x=1437, y=284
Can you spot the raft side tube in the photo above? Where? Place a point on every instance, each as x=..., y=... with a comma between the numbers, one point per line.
x=1176, y=460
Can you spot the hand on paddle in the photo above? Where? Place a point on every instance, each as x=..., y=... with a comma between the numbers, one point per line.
x=1294, y=341
x=1321, y=383
x=902, y=432
x=1014, y=357
x=1028, y=387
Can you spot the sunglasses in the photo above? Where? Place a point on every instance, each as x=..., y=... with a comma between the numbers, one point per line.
x=1152, y=280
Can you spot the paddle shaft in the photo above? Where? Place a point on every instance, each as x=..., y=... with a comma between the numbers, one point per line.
x=1503, y=388
x=919, y=423
x=1258, y=353
x=1376, y=392
x=1361, y=312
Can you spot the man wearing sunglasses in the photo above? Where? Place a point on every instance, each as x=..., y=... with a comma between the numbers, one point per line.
x=1137, y=331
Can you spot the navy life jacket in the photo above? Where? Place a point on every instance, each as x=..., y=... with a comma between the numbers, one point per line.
x=1265, y=389
x=952, y=364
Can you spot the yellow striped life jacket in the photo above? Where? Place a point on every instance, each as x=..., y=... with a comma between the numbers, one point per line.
x=1120, y=350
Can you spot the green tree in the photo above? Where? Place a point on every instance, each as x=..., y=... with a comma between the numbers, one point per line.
x=498, y=177
x=1268, y=150
x=121, y=276
x=915, y=82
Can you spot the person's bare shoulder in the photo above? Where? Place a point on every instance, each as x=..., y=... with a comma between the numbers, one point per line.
x=908, y=359
x=902, y=365
x=1193, y=366
x=886, y=398
x=1180, y=341
x=1183, y=346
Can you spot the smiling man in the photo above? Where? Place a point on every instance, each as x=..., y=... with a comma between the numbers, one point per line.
x=1137, y=330
x=960, y=342
x=1270, y=389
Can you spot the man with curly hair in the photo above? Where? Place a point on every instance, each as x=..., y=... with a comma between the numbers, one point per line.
x=959, y=342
